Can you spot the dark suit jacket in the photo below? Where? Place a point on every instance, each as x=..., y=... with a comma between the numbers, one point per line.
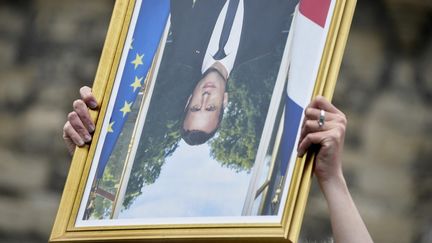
x=265, y=25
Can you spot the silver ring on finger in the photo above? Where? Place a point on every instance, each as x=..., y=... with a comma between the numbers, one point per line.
x=321, y=119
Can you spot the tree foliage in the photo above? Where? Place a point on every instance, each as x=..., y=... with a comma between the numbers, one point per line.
x=250, y=91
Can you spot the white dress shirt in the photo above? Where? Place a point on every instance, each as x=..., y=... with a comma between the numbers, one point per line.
x=231, y=46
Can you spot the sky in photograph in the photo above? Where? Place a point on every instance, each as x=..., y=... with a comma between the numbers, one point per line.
x=192, y=184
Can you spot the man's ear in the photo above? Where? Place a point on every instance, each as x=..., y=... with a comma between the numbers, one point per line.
x=187, y=103
x=225, y=100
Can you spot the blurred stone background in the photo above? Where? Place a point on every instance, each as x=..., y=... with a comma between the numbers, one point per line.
x=50, y=48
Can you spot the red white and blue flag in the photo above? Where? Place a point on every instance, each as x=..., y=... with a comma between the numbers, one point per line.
x=309, y=32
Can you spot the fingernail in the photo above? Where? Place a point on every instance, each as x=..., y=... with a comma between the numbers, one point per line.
x=87, y=138
x=93, y=104
x=300, y=153
x=91, y=128
x=80, y=142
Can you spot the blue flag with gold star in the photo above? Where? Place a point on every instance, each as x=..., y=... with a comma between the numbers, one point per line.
x=149, y=28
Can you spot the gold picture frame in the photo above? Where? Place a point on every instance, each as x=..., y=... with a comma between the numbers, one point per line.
x=285, y=228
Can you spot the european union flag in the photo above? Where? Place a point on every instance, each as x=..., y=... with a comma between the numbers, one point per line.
x=149, y=29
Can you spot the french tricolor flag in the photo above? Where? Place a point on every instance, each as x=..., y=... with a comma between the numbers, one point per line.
x=310, y=27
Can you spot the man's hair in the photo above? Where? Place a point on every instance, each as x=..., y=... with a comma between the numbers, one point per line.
x=197, y=137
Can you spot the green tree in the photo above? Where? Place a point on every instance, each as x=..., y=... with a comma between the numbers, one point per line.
x=250, y=90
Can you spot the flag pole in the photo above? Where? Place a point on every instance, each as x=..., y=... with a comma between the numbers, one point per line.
x=129, y=160
x=277, y=96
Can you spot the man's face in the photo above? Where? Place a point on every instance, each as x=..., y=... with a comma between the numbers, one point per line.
x=205, y=104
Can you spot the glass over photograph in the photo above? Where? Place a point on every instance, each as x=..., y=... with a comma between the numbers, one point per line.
x=196, y=114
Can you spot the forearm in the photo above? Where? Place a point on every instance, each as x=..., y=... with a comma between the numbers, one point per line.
x=329, y=134
x=347, y=224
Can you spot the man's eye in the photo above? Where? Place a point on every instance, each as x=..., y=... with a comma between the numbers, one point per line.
x=211, y=108
x=194, y=108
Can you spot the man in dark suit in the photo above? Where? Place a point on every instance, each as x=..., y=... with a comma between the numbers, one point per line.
x=263, y=28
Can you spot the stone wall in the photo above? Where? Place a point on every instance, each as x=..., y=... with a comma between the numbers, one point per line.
x=49, y=48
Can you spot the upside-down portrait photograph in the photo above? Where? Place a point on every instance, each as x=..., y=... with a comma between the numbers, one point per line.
x=185, y=143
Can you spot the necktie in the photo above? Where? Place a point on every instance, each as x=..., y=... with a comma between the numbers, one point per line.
x=226, y=30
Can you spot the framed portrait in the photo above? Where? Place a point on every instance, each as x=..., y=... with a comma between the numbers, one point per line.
x=201, y=107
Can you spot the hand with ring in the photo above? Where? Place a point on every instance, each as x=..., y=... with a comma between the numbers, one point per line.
x=324, y=125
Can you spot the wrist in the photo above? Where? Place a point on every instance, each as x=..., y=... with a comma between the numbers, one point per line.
x=333, y=182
